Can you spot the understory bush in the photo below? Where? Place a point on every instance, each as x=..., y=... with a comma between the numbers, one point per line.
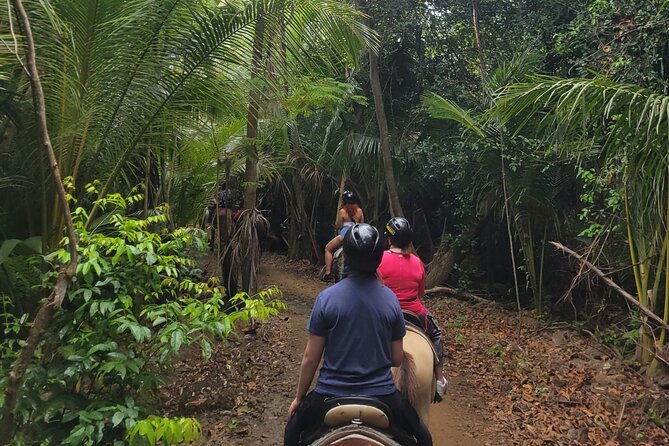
x=137, y=300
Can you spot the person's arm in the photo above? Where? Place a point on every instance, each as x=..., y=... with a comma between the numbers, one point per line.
x=421, y=286
x=361, y=216
x=310, y=360
x=397, y=353
x=341, y=215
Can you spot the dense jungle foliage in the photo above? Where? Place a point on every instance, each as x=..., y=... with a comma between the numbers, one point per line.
x=494, y=126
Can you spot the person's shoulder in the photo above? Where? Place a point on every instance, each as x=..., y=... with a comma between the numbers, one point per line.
x=389, y=298
x=386, y=292
x=335, y=290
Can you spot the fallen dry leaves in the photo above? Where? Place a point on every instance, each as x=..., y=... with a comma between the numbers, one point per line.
x=234, y=392
x=545, y=386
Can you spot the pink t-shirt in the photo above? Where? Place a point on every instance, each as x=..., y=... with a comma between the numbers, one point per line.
x=405, y=275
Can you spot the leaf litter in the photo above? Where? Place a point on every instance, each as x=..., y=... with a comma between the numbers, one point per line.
x=547, y=386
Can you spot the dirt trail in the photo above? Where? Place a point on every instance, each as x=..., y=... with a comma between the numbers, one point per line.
x=548, y=385
x=452, y=422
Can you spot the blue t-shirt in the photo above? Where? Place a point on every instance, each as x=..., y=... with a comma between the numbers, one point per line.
x=359, y=317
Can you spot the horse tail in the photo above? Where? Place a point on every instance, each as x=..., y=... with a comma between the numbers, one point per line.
x=405, y=378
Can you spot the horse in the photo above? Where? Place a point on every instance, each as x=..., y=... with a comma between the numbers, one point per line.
x=415, y=377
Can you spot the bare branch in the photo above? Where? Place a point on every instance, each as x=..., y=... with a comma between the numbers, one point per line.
x=15, y=51
x=612, y=284
x=49, y=305
x=460, y=294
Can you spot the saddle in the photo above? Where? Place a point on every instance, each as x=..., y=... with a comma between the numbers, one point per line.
x=415, y=324
x=353, y=435
x=356, y=410
x=357, y=420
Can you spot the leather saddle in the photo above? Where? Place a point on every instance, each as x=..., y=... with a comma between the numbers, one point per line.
x=357, y=420
x=416, y=324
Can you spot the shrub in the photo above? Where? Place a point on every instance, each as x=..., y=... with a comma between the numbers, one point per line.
x=136, y=301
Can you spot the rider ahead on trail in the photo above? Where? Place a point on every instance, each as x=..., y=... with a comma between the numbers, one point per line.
x=357, y=327
x=404, y=273
x=349, y=214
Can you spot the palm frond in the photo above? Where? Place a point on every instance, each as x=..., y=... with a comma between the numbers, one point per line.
x=441, y=108
x=630, y=121
x=598, y=104
x=515, y=70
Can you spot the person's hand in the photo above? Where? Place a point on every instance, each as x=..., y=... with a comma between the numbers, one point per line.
x=293, y=408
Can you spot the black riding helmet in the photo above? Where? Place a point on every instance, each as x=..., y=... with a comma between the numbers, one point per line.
x=398, y=230
x=348, y=197
x=363, y=248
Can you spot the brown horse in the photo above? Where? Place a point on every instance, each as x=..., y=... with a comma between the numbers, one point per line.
x=415, y=377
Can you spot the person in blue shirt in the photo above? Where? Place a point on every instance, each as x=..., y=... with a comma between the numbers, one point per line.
x=357, y=327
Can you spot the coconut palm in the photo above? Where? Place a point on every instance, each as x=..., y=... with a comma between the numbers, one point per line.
x=125, y=78
x=630, y=124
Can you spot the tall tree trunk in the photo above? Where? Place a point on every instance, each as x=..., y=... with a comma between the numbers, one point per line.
x=147, y=180
x=340, y=199
x=479, y=44
x=251, y=172
x=484, y=83
x=55, y=299
x=384, y=138
x=382, y=121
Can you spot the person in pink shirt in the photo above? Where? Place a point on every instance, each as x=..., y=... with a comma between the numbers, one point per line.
x=404, y=274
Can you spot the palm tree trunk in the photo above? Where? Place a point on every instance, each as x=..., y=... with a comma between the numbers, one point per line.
x=384, y=138
x=251, y=171
x=479, y=43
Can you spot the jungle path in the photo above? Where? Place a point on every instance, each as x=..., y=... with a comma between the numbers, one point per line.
x=451, y=422
x=550, y=386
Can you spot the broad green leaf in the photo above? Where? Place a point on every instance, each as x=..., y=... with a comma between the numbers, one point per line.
x=176, y=340
x=6, y=249
x=117, y=418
